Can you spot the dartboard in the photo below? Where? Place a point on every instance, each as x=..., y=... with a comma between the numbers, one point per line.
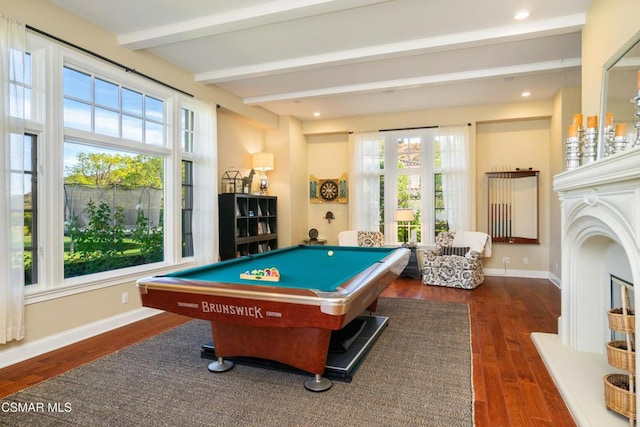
x=329, y=190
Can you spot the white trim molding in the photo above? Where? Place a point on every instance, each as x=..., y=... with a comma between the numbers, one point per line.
x=62, y=339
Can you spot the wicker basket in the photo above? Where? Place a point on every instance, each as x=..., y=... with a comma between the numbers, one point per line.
x=621, y=358
x=618, y=399
x=621, y=322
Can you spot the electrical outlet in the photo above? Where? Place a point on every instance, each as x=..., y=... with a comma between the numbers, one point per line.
x=506, y=260
x=125, y=297
x=525, y=260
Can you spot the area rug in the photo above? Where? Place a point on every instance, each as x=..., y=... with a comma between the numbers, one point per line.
x=418, y=373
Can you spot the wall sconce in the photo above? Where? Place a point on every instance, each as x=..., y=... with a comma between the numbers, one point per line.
x=329, y=216
x=263, y=162
x=404, y=215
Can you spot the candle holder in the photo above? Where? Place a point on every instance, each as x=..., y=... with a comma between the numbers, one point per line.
x=589, y=146
x=608, y=141
x=608, y=136
x=620, y=142
x=573, y=148
x=590, y=141
x=636, y=142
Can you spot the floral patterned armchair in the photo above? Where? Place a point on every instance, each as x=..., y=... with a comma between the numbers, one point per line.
x=457, y=260
x=373, y=239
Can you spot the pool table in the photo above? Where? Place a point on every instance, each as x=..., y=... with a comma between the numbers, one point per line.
x=320, y=289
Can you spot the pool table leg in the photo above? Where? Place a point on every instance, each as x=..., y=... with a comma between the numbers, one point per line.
x=373, y=307
x=220, y=365
x=318, y=383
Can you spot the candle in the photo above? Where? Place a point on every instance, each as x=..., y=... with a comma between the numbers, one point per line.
x=638, y=80
x=621, y=129
x=573, y=130
x=592, y=122
x=609, y=119
x=577, y=120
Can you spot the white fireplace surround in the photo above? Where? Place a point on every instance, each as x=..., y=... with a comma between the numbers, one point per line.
x=600, y=225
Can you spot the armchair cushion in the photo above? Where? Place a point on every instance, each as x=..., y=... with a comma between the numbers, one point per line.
x=361, y=238
x=373, y=239
x=455, y=250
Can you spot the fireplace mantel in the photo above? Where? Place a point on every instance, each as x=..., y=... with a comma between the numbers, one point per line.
x=600, y=216
x=616, y=169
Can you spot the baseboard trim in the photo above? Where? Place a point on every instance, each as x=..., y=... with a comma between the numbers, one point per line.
x=532, y=274
x=555, y=280
x=38, y=347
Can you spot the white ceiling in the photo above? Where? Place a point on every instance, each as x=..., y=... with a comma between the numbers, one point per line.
x=356, y=57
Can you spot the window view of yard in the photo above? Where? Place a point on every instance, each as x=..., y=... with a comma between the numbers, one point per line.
x=113, y=210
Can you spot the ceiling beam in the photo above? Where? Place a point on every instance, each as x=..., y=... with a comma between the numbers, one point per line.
x=561, y=25
x=234, y=20
x=413, y=82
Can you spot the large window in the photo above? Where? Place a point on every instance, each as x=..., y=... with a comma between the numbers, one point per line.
x=119, y=161
x=113, y=209
x=113, y=198
x=411, y=181
x=425, y=171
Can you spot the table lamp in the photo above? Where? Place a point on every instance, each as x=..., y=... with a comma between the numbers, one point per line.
x=404, y=215
x=263, y=162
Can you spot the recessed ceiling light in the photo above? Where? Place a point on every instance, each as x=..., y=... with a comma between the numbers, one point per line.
x=523, y=14
x=526, y=93
x=316, y=114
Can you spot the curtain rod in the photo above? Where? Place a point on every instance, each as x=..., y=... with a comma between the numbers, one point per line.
x=413, y=128
x=104, y=58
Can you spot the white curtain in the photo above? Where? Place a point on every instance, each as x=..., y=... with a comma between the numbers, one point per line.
x=12, y=107
x=205, y=181
x=454, y=156
x=364, y=178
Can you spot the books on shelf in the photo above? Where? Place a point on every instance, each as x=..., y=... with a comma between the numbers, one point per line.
x=264, y=228
x=264, y=247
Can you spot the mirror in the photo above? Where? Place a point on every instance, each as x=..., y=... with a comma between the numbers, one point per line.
x=620, y=84
x=513, y=206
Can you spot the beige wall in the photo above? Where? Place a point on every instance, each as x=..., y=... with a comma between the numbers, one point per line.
x=237, y=141
x=69, y=313
x=289, y=179
x=610, y=24
x=507, y=145
x=328, y=157
x=565, y=104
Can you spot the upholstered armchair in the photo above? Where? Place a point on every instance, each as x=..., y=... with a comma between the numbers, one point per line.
x=457, y=260
x=373, y=239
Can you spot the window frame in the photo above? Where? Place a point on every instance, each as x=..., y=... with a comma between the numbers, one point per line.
x=34, y=206
x=48, y=59
x=426, y=170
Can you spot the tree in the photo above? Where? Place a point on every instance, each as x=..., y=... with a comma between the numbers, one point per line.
x=116, y=169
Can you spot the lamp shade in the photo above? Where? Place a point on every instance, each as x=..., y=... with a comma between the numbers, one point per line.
x=404, y=215
x=262, y=161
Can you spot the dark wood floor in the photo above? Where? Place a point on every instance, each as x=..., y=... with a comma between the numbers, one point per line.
x=512, y=386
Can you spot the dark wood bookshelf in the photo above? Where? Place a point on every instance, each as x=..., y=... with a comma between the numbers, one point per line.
x=247, y=224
